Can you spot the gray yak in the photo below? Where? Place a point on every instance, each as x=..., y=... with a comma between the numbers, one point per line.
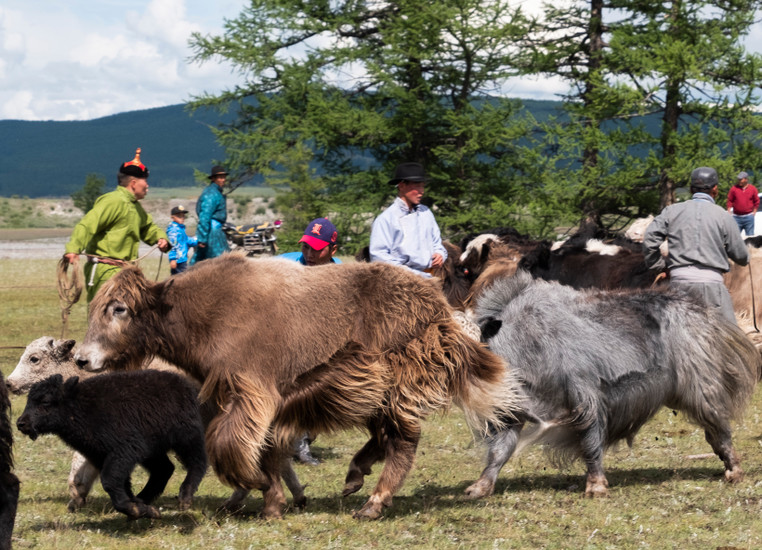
x=282, y=349
x=597, y=365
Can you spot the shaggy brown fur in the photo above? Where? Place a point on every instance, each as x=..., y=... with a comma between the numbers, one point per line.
x=495, y=270
x=453, y=278
x=745, y=286
x=282, y=349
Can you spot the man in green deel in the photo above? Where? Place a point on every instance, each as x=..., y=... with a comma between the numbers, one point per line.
x=111, y=232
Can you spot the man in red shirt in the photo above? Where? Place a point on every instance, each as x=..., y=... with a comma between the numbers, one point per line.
x=743, y=202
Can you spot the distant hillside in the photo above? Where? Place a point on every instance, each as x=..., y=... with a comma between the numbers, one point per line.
x=52, y=159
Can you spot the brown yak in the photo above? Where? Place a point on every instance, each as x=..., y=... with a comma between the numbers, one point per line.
x=282, y=349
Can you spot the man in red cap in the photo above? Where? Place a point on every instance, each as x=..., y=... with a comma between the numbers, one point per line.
x=319, y=243
x=111, y=232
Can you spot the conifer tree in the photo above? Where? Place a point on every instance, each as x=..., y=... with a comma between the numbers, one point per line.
x=335, y=94
x=655, y=90
x=85, y=198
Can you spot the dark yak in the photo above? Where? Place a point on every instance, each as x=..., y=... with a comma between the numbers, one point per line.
x=282, y=349
x=590, y=258
x=597, y=365
x=590, y=264
x=9, y=483
x=119, y=420
x=47, y=356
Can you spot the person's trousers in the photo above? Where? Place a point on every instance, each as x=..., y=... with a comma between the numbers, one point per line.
x=745, y=223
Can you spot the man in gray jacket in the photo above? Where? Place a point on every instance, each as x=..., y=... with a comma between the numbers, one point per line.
x=700, y=236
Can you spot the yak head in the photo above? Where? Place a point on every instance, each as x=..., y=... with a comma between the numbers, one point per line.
x=41, y=358
x=42, y=413
x=118, y=323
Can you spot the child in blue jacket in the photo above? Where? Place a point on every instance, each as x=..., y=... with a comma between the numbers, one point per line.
x=180, y=241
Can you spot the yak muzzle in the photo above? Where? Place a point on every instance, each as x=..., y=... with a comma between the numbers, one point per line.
x=25, y=427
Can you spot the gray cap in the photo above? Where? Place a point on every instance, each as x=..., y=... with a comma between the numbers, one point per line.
x=742, y=175
x=704, y=178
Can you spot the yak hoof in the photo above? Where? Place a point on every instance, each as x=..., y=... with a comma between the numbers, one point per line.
x=137, y=510
x=735, y=475
x=272, y=512
x=354, y=481
x=185, y=504
x=597, y=488
x=479, y=489
x=351, y=487
x=75, y=504
x=151, y=512
x=300, y=502
x=371, y=510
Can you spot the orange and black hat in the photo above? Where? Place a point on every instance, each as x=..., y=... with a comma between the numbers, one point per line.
x=134, y=167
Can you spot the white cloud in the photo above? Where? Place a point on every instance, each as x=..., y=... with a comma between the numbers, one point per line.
x=75, y=60
x=80, y=59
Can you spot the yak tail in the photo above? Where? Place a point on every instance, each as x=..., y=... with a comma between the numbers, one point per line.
x=239, y=433
x=736, y=365
x=482, y=383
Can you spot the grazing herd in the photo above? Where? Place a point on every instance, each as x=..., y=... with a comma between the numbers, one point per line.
x=574, y=347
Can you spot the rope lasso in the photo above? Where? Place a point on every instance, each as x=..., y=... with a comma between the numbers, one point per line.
x=70, y=288
x=69, y=291
x=753, y=305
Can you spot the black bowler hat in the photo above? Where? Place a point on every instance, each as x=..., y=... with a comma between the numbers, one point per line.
x=134, y=167
x=217, y=171
x=408, y=171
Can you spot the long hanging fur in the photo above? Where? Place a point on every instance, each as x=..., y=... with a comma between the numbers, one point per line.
x=281, y=349
x=597, y=365
x=9, y=483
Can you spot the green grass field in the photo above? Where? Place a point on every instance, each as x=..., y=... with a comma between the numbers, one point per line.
x=664, y=492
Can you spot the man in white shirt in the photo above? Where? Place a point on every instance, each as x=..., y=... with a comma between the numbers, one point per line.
x=406, y=233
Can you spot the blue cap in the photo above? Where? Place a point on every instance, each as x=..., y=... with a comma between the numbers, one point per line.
x=320, y=233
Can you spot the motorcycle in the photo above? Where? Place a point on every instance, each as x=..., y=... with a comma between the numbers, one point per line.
x=252, y=238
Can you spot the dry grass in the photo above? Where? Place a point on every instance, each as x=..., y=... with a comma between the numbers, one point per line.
x=660, y=498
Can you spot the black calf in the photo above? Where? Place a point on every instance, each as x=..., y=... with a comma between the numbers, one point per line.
x=119, y=420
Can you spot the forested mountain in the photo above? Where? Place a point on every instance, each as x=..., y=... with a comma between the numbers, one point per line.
x=52, y=159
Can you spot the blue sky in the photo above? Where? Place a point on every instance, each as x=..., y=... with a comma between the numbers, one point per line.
x=85, y=59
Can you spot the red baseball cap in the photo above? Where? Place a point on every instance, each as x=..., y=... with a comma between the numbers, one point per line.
x=320, y=233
